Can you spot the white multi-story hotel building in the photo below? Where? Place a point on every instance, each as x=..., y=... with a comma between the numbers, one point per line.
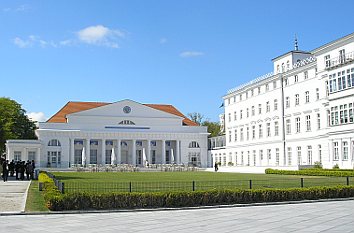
x=299, y=114
x=135, y=133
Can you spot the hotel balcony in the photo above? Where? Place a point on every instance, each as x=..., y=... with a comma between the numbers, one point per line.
x=339, y=61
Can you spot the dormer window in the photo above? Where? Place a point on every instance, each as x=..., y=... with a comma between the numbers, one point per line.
x=126, y=122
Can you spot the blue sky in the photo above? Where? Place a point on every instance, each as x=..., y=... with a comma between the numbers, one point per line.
x=184, y=53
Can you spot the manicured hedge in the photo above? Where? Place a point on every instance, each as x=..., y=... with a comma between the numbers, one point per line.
x=313, y=172
x=49, y=188
x=94, y=201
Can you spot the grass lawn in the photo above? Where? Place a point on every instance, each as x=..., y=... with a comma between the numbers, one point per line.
x=35, y=201
x=183, y=181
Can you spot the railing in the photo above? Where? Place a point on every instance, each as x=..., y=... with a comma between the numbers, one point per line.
x=104, y=187
x=340, y=60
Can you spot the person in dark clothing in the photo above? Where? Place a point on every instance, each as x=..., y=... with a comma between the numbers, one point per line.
x=5, y=170
x=29, y=170
x=216, y=166
x=12, y=168
x=22, y=170
x=17, y=169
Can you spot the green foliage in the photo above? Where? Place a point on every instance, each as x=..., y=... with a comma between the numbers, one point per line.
x=51, y=192
x=336, y=167
x=313, y=172
x=14, y=124
x=213, y=128
x=318, y=165
x=92, y=201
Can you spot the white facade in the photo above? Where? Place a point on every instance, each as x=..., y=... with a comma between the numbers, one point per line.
x=299, y=114
x=130, y=130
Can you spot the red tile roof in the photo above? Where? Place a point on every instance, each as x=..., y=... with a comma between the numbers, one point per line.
x=72, y=107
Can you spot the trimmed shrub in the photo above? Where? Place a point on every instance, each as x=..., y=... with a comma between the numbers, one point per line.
x=51, y=192
x=312, y=172
x=93, y=201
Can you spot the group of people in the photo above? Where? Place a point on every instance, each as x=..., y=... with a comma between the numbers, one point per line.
x=18, y=169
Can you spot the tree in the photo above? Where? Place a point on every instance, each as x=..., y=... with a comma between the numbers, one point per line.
x=14, y=124
x=213, y=128
x=196, y=117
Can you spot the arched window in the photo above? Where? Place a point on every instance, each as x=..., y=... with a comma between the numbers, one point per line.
x=54, y=142
x=126, y=122
x=194, y=144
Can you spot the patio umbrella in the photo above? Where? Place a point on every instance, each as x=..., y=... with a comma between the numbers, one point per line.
x=83, y=157
x=113, y=157
x=172, y=157
x=144, y=158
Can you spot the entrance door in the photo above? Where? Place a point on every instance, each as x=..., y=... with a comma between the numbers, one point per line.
x=124, y=157
x=139, y=157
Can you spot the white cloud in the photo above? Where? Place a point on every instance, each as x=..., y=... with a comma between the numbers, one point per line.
x=163, y=41
x=32, y=40
x=37, y=116
x=100, y=35
x=191, y=54
x=23, y=7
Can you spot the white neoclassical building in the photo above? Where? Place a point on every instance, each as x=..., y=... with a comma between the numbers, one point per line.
x=299, y=114
x=133, y=132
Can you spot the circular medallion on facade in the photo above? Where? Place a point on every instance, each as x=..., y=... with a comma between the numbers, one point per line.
x=127, y=109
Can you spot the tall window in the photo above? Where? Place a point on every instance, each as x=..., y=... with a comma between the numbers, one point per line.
x=327, y=59
x=309, y=155
x=261, y=154
x=299, y=155
x=17, y=155
x=235, y=115
x=287, y=102
x=252, y=111
x=229, y=117
x=247, y=112
x=259, y=90
x=288, y=126
x=230, y=137
x=282, y=67
x=269, y=154
x=240, y=97
x=252, y=92
x=268, y=106
x=254, y=158
x=297, y=100
x=268, y=129
x=259, y=108
x=267, y=87
x=345, y=150
x=276, y=128
x=253, y=131
x=277, y=156
x=341, y=56
x=317, y=93
x=297, y=124
x=274, y=84
x=306, y=75
x=240, y=114
x=320, y=153
x=307, y=97
x=235, y=135
x=260, y=131
x=335, y=151
x=289, y=156
x=275, y=105
x=308, y=123
x=241, y=134
x=318, y=121
x=296, y=78
x=286, y=81
x=248, y=133
x=287, y=65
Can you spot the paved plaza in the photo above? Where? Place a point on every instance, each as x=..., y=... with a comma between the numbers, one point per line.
x=13, y=195
x=336, y=216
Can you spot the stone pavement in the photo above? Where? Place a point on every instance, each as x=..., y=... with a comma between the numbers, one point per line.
x=13, y=195
x=334, y=216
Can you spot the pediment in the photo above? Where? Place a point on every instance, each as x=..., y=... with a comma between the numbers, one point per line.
x=125, y=108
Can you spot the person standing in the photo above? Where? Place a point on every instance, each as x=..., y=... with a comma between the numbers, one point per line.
x=22, y=170
x=5, y=170
x=29, y=170
x=12, y=168
x=216, y=166
x=17, y=169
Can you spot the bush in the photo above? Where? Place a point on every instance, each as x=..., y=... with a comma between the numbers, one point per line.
x=50, y=190
x=336, y=167
x=318, y=165
x=94, y=201
x=312, y=172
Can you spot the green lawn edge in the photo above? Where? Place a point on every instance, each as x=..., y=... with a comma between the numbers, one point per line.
x=35, y=200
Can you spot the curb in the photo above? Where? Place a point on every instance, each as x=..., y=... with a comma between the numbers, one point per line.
x=176, y=209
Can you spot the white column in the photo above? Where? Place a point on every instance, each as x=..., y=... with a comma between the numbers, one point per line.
x=177, y=156
x=103, y=152
x=148, y=152
x=37, y=160
x=87, y=151
x=163, y=150
x=72, y=151
x=119, y=151
x=134, y=153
